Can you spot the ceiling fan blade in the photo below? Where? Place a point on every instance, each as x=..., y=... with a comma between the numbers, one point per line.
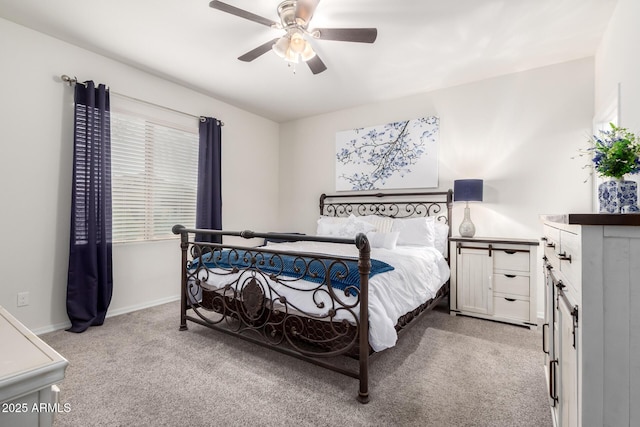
x=241, y=13
x=305, y=9
x=316, y=65
x=359, y=35
x=260, y=50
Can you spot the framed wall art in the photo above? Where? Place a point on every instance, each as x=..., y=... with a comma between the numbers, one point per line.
x=396, y=155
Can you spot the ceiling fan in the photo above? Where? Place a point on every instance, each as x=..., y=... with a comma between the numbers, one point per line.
x=294, y=19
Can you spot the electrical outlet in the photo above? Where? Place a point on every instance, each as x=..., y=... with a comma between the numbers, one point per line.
x=23, y=299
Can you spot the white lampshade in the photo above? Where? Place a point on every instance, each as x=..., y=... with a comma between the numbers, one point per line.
x=308, y=52
x=281, y=46
x=291, y=56
x=298, y=43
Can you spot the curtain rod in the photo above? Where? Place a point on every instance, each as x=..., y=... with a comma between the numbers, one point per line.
x=74, y=80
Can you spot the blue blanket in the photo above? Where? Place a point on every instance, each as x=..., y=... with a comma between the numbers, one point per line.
x=294, y=266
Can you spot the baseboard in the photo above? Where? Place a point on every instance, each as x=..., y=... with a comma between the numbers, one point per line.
x=110, y=313
x=51, y=328
x=136, y=307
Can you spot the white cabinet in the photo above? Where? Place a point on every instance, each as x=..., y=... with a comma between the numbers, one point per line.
x=591, y=334
x=567, y=364
x=28, y=370
x=474, y=281
x=494, y=279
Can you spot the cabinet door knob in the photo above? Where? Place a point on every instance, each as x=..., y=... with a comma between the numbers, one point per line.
x=510, y=299
x=510, y=276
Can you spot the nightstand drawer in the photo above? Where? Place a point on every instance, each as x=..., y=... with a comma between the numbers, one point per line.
x=511, y=284
x=511, y=260
x=511, y=308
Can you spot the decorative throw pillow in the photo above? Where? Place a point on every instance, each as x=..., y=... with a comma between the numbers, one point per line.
x=382, y=224
x=441, y=236
x=383, y=240
x=329, y=225
x=353, y=226
x=415, y=231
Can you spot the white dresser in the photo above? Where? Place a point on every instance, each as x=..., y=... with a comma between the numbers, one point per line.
x=494, y=278
x=591, y=332
x=28, y=370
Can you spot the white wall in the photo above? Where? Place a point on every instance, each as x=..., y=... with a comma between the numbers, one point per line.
x=518, y=132
x=617, y=62
x=617, y=68
x=36, y=165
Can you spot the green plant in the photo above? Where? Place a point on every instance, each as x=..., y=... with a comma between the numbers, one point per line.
x=616, y=152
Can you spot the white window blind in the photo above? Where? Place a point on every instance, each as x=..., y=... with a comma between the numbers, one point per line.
x=154, y=168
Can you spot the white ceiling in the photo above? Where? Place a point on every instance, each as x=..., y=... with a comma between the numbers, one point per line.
x=422, y=45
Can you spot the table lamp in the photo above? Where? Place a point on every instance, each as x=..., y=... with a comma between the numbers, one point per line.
x=467, y=190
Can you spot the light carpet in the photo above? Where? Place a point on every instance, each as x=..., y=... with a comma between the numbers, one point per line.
x=139, y=370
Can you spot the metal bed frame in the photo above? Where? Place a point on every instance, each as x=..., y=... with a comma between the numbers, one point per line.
x=252, y=307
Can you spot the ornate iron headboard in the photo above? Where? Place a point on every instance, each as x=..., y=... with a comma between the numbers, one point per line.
x=395, y=205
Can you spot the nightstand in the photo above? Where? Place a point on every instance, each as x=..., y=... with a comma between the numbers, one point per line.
x=494, y=278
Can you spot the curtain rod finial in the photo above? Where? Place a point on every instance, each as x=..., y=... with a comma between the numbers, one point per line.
x=69, y=80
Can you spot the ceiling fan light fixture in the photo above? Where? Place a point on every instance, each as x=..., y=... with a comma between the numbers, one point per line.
x=291, y=56
x=298, y=43
x=295, y=17
x=307, y=53
x=281, y=46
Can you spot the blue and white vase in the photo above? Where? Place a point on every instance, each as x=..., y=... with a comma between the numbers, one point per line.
x=617, y=196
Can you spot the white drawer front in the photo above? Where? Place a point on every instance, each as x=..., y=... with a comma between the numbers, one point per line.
x=551, y=249
x=551, y=233
x=511, y=284
x=511, y=308
x=571, y=268
x=506, y=259
x=551, y=245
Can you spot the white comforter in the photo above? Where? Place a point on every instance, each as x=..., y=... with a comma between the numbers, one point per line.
x=418, y=274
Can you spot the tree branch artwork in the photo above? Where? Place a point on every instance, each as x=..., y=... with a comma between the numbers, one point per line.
x=395, y=155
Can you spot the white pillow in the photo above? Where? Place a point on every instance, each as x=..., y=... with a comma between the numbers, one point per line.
x=382, y=224
x=441, y=236
x=415, y=231
x=353, y=226
x=383, y=240
x=329, y=225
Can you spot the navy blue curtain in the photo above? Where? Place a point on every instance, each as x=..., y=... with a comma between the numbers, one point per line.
x=90, y=278
x=209, y=196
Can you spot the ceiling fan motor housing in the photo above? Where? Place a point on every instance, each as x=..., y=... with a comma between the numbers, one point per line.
x=287, y=14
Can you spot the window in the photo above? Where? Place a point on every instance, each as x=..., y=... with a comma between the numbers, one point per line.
x=154, y=168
